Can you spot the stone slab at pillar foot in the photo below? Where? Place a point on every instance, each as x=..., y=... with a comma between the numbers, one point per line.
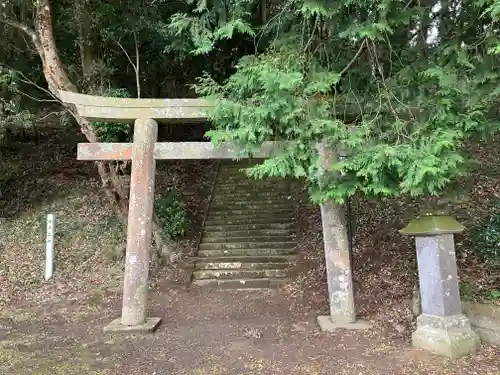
x=450, y=336
x=149, y=326
x=327, y=324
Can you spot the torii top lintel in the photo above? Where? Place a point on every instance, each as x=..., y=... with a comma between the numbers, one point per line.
x=108, y=109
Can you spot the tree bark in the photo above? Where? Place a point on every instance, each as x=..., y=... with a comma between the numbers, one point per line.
x=57, y=79
x=87, y=52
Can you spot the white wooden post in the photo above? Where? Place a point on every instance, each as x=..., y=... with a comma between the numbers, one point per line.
x=49, y=248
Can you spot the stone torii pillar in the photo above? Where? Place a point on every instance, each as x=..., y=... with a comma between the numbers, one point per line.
x=144, y=152
x=337, y=259
x=442, y=328
x=139, y=229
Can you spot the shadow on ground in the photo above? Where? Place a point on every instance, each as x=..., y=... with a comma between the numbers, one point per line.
x=209, y=332
x=56, y=327
x=36, y=172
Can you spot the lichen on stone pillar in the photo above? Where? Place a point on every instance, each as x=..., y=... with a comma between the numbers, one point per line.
x=337, y=258
x=441, y=328
x=139, y=232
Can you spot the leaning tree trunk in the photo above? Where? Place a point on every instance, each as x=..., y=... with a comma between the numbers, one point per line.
x=57, y=79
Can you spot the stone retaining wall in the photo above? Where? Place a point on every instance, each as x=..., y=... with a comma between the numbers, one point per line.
x=485, y=320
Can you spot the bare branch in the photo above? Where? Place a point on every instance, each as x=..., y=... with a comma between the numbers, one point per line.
x=278, y=16
x=263, y=11
x=311, y=37
x=346, y=68
x=36, y=99
x=58, y=113
x=126, y=54
x=137, y=62
x=25, y=29
x=28, y=81
x=135, y=65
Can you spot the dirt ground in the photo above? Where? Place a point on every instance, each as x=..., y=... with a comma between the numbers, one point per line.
x=56, y=327
x=209, y=332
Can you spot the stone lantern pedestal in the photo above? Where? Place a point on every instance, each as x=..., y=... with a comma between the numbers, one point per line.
x=441, y=328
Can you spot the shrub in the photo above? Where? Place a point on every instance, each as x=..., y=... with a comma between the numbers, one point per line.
x=113, y=132
x=172, y=215
x=494, y=296
x=14, y=121
x=486, y=238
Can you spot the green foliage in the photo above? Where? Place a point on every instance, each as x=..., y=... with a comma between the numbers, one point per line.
x=486, y=238
x=401, y=87
x=172, y=215
x=14, y=119
x=110, y=131
x=362, y=78
x=209, y=23
x=473, y=291
x=7, y=176
x=494, y=295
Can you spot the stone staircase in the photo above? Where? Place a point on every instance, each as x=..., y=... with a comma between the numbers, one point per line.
x=248, y=239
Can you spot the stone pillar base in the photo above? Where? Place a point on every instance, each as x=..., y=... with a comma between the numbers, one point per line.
x=450, y=336
x=327, y=324
x=148, y=326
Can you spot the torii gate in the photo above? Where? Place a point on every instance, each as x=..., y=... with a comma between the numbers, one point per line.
x=144, y=151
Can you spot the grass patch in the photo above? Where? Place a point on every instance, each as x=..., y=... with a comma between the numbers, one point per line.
x=172, y=214
x=475, y=292
x=486, y=237
x=11, y=360
x=88, y=238
x=15, y=362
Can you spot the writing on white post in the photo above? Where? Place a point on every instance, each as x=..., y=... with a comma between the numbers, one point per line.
x=49, y=250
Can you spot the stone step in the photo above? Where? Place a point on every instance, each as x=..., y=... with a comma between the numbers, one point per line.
x=250, y=189
x=252, y=197
x=238, y=221
x=242, y=163
x=236, y=168
x=223, y=191
x=232, y=172
x=248, y=240
x=245, y=262
x=255, y=239
x=261, y=192
x=224, y=233
x=241, y=176
x=231, y=168
x=231, y=202
x=257, y=211
x=230, y=228
x=249, y=245
x=272, y=210
x=247, y=182
x=262, y=252
x=236, y=218
x=241, y=283
x=238, y=274
x=244, y=220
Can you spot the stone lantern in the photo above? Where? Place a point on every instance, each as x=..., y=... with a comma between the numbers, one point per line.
x=441, y=328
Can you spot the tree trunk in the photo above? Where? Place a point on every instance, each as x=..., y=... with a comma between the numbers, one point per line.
x=87, y=51
x=57, y=79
